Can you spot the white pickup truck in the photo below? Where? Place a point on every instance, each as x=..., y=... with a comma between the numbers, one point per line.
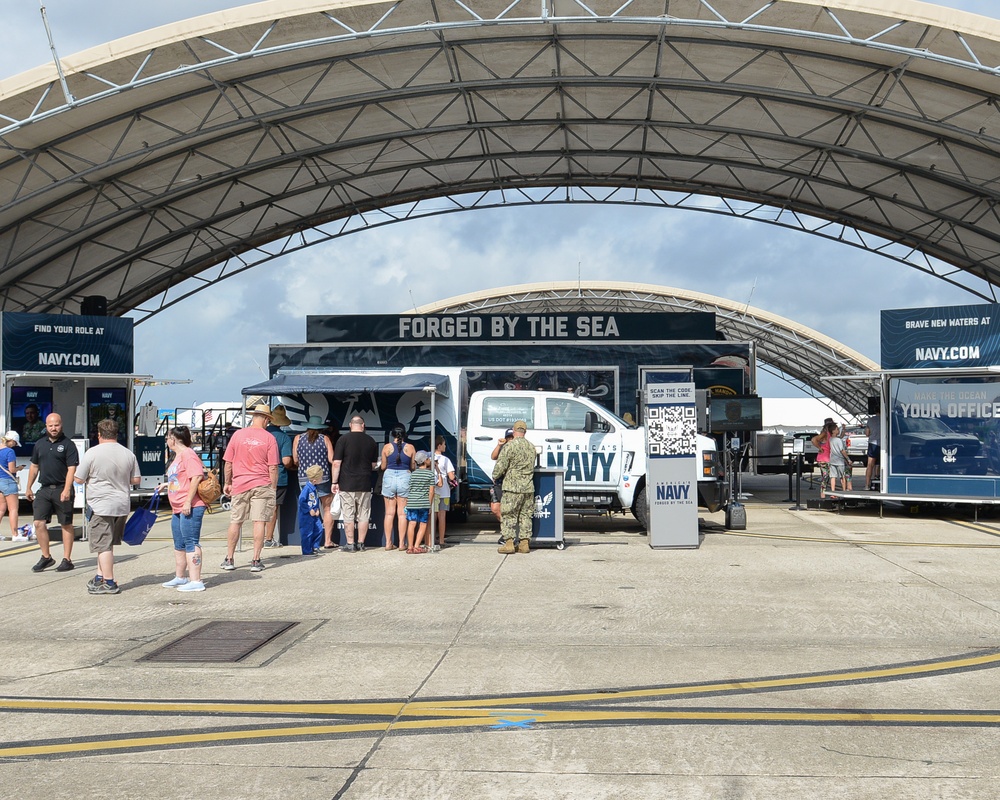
x=604, y=457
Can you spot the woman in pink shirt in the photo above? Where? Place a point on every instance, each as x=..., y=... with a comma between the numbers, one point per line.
x=822, y=442
x=183, y=476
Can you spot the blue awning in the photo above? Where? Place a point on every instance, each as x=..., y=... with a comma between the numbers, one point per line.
x=350, y=383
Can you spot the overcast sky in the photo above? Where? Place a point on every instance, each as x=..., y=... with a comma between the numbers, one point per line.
x=836, y=289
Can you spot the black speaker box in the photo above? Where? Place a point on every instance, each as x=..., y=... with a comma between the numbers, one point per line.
x=94, y=305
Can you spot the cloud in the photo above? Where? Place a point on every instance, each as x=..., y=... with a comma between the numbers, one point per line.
x=219, y=334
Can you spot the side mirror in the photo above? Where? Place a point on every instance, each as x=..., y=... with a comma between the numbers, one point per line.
x=595, y=422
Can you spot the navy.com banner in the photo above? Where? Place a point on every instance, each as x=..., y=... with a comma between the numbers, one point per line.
x=953, y=336
x=65, y=343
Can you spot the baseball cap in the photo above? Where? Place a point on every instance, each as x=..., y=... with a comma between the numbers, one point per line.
x=420, y=458
x=508, y=434
x=12, y=436
x=521, y=425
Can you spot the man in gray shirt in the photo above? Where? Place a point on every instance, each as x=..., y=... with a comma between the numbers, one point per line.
x=109, y=470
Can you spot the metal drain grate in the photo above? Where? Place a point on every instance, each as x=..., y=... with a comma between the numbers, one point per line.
x=220, y=642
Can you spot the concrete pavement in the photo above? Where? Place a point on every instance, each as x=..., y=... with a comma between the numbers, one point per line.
x=815, y=653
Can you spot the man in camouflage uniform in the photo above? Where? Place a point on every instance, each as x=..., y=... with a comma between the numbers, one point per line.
x=516, y=465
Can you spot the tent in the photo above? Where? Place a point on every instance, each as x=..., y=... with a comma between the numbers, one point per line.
x=351, y=383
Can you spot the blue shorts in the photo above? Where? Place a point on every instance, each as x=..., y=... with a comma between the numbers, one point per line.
x=396, y=483
x=418, y=514
x=874, y=451
x=187, y=530
x=8, y=486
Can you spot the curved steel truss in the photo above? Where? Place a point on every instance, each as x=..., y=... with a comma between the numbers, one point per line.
x=569, y=195
x=801, y=356
x=206, y=144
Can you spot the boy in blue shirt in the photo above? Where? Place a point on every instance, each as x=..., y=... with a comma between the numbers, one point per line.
x=310, y=521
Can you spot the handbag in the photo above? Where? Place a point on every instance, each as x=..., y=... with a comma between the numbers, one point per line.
x=141, y=522
x=209, y=489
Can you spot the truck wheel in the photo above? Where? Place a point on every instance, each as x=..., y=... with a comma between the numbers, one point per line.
x=640, y=510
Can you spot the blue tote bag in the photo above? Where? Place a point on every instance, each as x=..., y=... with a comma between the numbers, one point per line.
x=141, y=522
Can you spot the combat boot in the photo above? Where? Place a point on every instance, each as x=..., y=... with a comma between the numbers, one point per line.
x=507, y=547
x=523, y=546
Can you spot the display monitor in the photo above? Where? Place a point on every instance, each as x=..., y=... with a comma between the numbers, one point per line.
x=106, y=403
x=29, y=406
x=736, y=414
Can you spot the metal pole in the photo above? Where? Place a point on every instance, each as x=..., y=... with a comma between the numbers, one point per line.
x=788, y=468
x=798, y=484
x=55, y=57
x=434, y=547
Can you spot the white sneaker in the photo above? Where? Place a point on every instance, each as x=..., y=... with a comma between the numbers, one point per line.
x=192, y=586
x=174, y=582
x=19, y=538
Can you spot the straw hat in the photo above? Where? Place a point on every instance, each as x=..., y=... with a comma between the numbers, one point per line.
x=314, y=473
x=279, y=417
x=262, y=408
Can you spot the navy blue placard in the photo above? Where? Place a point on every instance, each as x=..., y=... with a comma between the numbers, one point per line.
x=66, y=343
x=547, y=518
x=484, y=328
x=150, y=451
x=952, y=336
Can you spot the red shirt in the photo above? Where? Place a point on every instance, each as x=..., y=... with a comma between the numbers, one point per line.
x=252, y=451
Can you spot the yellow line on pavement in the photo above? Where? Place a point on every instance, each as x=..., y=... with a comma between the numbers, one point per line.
x=794, y=681
x=515, y=718
x=817, y=540
x=258, y=709
x=25, y=548
x=469, y=707
x=184, y=739
x=976, y=526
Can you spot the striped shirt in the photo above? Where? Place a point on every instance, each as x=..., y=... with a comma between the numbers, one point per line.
x=421, y=481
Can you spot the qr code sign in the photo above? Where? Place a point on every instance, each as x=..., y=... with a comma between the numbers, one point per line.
x=671, y=430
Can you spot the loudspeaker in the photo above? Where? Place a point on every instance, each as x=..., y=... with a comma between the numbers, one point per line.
x=94, y=305
x=874, y=405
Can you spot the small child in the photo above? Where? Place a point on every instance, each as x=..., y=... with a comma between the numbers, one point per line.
x=418, y=503
x=840, y=461
x=310, y=515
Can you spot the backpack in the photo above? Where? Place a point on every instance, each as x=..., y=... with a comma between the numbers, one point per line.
x=209, y=489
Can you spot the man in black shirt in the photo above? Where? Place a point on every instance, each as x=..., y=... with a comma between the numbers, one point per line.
x=53, y=461
x=354, y=458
